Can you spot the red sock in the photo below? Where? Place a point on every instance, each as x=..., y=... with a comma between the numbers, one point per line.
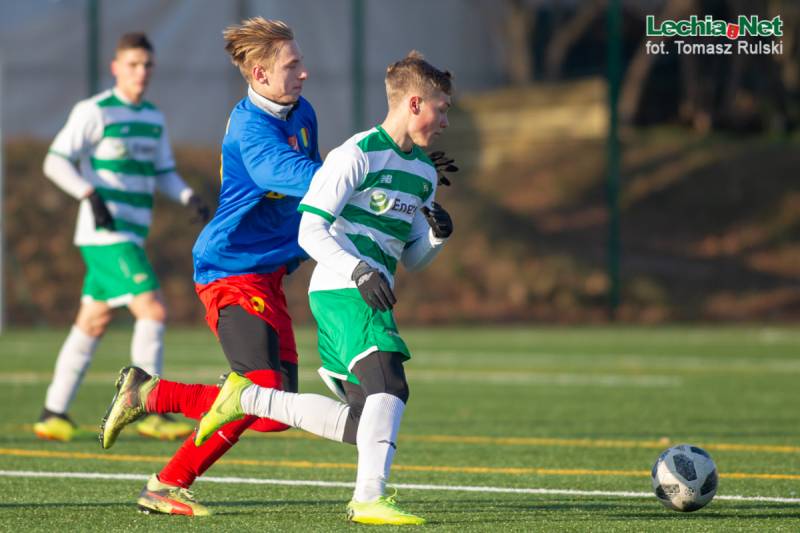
x=266, y=378
x=191, y=461
x=173, y=397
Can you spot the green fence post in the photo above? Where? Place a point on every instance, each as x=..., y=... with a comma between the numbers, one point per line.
x=357, y=59
x=93, y=46
x=614, y=75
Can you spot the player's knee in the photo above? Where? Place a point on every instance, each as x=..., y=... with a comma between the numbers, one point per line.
x=393, y=384
x=399, y=389
x=94, y=325
x=102, y=322
x=382, y=372
x=94, y=329
x=156, y=311
x=149, y=306
x=99, y=326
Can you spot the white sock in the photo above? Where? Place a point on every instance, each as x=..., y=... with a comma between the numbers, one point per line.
x=73, y=361
x=314, y=413
x=376, y=442
x=147, y=345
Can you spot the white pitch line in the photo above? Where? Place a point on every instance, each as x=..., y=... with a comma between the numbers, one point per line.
x=411, y=486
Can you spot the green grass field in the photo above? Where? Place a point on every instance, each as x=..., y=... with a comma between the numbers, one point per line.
x=546, y=410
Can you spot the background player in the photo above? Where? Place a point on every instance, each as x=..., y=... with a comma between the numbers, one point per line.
x=112, y=154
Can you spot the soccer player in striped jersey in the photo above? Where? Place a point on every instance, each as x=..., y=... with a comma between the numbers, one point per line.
x=112, y=155
x=370, y=207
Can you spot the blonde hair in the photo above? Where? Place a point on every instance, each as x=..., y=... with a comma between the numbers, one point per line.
x=255, y=41
x=414, y=73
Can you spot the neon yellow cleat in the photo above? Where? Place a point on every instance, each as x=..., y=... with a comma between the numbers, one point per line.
x=383, y=511
x=55, y=427
x=226, y=408
x=133, y=387
x=163, y=427
x=158, y=497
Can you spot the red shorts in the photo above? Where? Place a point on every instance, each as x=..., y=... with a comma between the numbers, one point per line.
x=258, y=294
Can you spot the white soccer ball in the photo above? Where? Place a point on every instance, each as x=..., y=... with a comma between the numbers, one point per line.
x=684, y=478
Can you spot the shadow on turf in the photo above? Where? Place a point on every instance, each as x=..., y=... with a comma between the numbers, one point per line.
x=651, y=511
x=533, y=506
x=65, y=504
x=700, y=515
x=751, y=511
x=218, y=508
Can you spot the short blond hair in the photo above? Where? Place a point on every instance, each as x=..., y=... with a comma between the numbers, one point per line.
x=414, y=73
x=255, y=41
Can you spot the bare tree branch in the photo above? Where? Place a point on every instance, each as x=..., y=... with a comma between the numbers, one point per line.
x=569, y=34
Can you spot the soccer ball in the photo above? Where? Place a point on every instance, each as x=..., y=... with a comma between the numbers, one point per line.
x=684, y=478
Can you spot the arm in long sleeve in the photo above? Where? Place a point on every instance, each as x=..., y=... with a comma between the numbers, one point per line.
x=273, y=164
x=83, y=129
x=173, y=186
x=421, y=252
x=316, y=239
x=423, y=247
x=65, y=175
x=333, y=185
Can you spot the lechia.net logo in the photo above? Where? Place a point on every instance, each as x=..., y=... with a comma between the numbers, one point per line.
x=749, y=35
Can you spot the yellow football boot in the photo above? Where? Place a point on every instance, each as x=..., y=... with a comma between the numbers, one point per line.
x=226, y=408
x=158, y=497
x=383, y=511
x=55, y=427
x=163, y=427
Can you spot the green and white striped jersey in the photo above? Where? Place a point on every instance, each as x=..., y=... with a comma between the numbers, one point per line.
x=123, y=151
x=371, y=192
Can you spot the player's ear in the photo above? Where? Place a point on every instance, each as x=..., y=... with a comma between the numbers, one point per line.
x=415, y=103
x=259, y=74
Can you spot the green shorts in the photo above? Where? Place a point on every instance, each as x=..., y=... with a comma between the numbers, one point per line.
x=348, y=330
x=115, y=273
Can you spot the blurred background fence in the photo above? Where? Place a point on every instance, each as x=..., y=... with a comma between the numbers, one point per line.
x=707, y=191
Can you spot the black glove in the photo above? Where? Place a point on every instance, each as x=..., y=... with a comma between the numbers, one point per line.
x=443, y=164
x=201, y=209
x=439, y=220
x=102, y=216
x=374, y=287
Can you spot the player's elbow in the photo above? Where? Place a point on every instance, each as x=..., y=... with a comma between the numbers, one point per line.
x=48, y=164
x=410, y=266
x=303, y=240
x=306, y=232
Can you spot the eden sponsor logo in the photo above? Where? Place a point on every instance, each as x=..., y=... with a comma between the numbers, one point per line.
x=746, y=26
x=406, y=209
